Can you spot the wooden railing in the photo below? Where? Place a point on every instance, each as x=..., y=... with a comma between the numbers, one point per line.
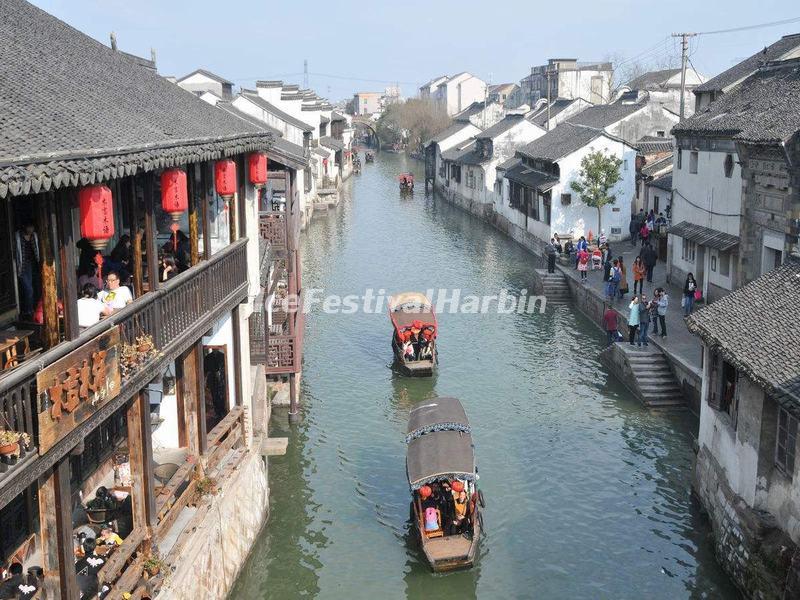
x=272, y=227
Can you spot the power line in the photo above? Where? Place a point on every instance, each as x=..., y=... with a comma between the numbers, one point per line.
x=347, y=78
x=749, y=27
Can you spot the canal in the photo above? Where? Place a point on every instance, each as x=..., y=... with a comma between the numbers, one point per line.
x=588, y=494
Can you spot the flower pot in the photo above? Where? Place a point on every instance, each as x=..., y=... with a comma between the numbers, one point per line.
x=9, y=448
x=153, y=571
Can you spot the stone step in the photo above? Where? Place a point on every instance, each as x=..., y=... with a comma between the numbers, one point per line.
x=671, y=403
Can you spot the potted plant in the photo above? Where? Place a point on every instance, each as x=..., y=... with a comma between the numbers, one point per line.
x=9, y=442
x=153, y=564
x=205, y=486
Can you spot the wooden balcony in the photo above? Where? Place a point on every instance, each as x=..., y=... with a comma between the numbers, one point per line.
x=176, y=315
x=272, y=228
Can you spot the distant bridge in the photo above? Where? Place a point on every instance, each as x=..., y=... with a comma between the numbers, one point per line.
x=367, y=123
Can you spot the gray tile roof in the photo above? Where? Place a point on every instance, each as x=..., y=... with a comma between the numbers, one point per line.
x=75, y=112
x=664, y=182
x=274, y=110
x=657, y=166
x=561, y=141
x=331, y=143
x=531, y=177
x=208, y=74
x=762, y=109
x=756, y=329
x=335, y=116
x=324, y=120
x=472, y=110
x=704, y=236
x=462, y=153
x=559, y=104
x=652, y=80
x=751, y=64
x=320, y=152
x=605, y=115
x=446, y=133
x=651, y=144
x=502, y=126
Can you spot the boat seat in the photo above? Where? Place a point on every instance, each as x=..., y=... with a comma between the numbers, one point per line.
x=435, y=532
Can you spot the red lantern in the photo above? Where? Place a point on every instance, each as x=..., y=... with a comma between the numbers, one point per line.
x=174, y=194
x=225, y=178
x=97, y=215
x=258, y=169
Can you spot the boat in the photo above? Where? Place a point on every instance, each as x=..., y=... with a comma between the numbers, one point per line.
x=369, y=157
x=415, y=333
x=440, y=465
x=406, y=182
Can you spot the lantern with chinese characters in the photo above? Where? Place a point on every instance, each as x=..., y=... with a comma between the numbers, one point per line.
x=225, y=178
x=258, y=169
x=97, y=215
x=174, y=193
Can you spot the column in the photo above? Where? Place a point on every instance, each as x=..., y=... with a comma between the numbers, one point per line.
x=140, y=449
x=45, y=216
x=55, y=522
x=66, y=253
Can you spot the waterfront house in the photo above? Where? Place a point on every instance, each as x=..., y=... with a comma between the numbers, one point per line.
x=367, y=103
x=653, y=163
x=202, y=80
x=428, y=90
x=561, y=109
x=459, y=91
x=481, y=114
x=664, y=86
x=747, y=472
x=568, y=78
x=535, y=185
x=457, y=132
x=105, y=149
x=470, y=165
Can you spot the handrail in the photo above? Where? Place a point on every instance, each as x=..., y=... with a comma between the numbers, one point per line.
x=30, y=368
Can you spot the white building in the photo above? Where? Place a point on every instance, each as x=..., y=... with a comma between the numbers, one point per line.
x=428, y=91
x=459, y=91
x=367, y=103
x=455, y=134
x=481, y=114
x=561, y=109
x=536, y=192
x=570, y=79
x=664, y=86
x=206, y=81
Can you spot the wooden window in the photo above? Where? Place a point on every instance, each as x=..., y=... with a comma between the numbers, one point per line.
x=725, y=264
x=680, y=158
x=546, y=202
x=729, y=165
x=693, y=159
x=659, y=134
x=566, y=199
x=655, y=204
x=786, y=443
x=689, y=250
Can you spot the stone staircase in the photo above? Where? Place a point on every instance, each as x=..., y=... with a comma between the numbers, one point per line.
x=647, y=373
x=554, y=286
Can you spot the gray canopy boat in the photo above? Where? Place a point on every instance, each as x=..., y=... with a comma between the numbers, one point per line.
x=440, y=464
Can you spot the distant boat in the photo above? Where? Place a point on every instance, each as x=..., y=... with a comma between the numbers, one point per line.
x=406, y=183
x=415, y=332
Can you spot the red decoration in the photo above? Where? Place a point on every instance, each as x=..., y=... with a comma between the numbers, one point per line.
x=258, y=169
x=174, y=193
x=225, y=178
x=425, y=492
x=97, y=215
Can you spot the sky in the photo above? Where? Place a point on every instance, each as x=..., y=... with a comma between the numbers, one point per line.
x=367, y=46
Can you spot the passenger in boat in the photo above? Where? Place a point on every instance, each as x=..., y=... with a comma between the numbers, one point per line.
x=431, y=519
x=408, y=350
x=460, y=520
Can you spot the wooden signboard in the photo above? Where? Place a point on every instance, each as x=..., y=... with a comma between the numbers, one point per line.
x=73, y=388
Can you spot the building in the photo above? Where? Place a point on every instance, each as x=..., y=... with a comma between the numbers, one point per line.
x=569, y=79
x=786, y=47
x=500, y=93
x=470, y=166
x=460, y=91
x=367, y=103
x=481, y=114
x=458, y=132
x=654, y=172
x=747, y=472
x=428, y=91
x=120, y=402
x=664, y=86
x=560, y=110
x=535, y=185
x=206, y=81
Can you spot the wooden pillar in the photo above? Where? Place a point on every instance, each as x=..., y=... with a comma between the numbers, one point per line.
x=294, y=404
x=136, y=233
x=187, y=401
x=237, y=355
x=242, y=196
x=202, y=434
x=150, y=232
x=140, y=449
x=66, y=253
x=55, y=522
x=45, y=213
x=232, y=218
x=194, y=231
x=206, y=198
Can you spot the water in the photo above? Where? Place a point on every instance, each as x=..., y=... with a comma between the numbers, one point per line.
x=588, y=494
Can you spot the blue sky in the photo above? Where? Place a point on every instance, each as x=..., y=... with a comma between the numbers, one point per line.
x=367, y=45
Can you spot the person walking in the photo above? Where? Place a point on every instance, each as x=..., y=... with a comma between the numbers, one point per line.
x=663, y=303
x=27, y=259
x=633, y=320
x=633, y=229
x=610, y=325
x=581, y=245
x=613, y=281
x=649, y=258
x=644, y=320
x=644, y=234
x=550, y=251
x=623, y=278
x=583, y=264
x=652, y=310
x=689, y=290
x=638, y=274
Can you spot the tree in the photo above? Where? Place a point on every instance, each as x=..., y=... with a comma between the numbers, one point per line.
x=413, y=121
x=599, y=173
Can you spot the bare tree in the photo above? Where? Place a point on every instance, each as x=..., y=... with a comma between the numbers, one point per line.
x=413, y=122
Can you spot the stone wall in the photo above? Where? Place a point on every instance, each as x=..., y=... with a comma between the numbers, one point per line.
x=760, y=558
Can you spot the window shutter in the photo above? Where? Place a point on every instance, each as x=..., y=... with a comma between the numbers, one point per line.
x=714, y=385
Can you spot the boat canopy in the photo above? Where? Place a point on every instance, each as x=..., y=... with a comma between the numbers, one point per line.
x=411, y=310
x=438, y=414
x=440, y=455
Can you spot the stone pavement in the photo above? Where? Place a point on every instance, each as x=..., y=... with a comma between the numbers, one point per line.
x=679, y=343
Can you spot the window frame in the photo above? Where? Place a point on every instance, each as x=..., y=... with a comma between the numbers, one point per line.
x=727, y=165
x=694, y=162
x=688, y=250
x=785, y=422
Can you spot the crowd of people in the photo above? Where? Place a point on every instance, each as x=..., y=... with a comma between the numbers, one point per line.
x=417, y=343
x=642, y=313
x=445, y=506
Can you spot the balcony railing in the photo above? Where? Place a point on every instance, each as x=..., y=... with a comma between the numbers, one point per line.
x=272, y=228
x=175, y=315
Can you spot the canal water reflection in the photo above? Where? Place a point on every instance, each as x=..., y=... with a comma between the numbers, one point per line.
x=587, y=493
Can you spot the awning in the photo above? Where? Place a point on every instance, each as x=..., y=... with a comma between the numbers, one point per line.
x=531, y=178
x=438, y=414
x=704, y=236
x=440, y=455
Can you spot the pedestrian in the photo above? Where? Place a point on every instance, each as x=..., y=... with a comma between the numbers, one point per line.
x=623, y=279
x=27, y=258
x=649, y=258
x=638, y=274
x=633, y=320
x=569, y=248
x=610, y=325
x=557, y=244
x=582, y=245
x=633, y=229
x=644, y=234
x=644, y=319
x=614, y=278
x=689, y=290
x=583, y=264
x=603, y=238
x=663, y=303
x=550, y=251
x=652, y=309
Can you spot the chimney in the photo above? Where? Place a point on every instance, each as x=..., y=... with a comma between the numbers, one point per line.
x=153, y=55
x=113, y=41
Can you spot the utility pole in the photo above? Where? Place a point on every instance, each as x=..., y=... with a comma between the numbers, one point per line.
x=305, y=73
x=684, y=58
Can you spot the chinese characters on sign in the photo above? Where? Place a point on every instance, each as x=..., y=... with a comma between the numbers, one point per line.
x=76, y=386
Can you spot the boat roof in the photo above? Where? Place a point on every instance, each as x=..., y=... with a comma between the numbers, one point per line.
x=438, y=414
x=398, y=300
x=440, y=455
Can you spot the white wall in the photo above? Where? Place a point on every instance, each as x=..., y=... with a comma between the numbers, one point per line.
x=290, y=132
x=458, y=93
x=222, y=335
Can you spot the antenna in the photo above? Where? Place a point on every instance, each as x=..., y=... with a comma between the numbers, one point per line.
x=305, y=73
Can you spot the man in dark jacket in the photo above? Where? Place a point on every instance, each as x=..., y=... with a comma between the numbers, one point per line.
x=9, y=588
x=649, y=258
x=550, y=251
x=610, y=324
x=633, y=229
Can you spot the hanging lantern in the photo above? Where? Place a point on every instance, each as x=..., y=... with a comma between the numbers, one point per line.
x=258, y=169
x=174, y=193
x=97, y=215
x=225, y=178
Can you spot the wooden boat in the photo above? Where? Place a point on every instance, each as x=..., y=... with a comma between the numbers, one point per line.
x=406, y=183
x=415, y=326
x=369, y=157
x=439, y=460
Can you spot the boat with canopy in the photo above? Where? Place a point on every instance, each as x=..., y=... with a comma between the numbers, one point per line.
x=415, y=333
x=445, y=500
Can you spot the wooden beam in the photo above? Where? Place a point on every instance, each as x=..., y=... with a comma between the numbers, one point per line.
x=202, y=434
x=45, y=213
x=185, y=379
x=141, y=461
x=242, y=196
x=55, y=518
x=206, y=197
x=194, y=232
x=136, y=233
x=238, y=385
x=150, y=232
x=66, y=253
